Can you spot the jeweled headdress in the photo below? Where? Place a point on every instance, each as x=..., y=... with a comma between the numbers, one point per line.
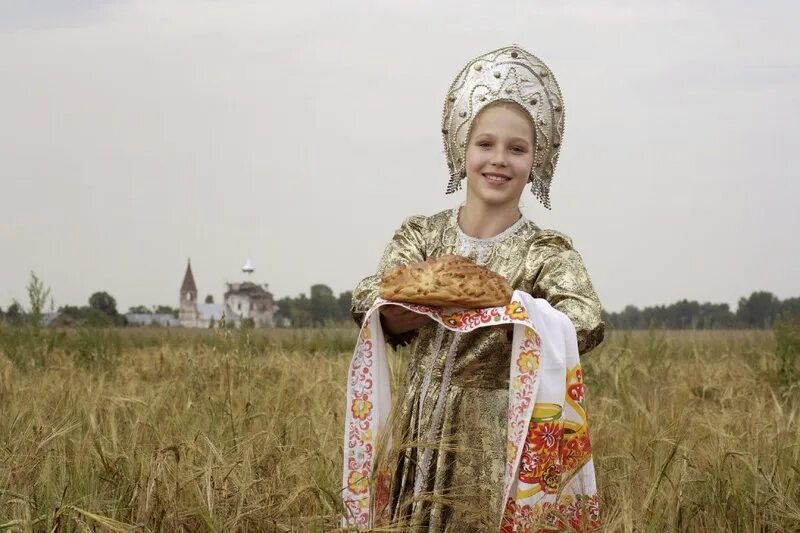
x=513, y=74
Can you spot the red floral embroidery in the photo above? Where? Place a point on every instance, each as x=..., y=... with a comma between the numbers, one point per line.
x=575, y=450
x=575, y=391
x=551, y=478
x=582, y=513
x=456, y=320
x=544, y=436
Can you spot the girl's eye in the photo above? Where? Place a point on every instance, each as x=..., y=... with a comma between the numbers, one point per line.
x=518, y=150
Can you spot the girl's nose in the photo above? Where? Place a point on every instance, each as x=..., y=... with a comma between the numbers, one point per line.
x=499, y=159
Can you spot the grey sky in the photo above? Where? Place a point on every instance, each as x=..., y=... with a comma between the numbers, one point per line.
x=136, y=134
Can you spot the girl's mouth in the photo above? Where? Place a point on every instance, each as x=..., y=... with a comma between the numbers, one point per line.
x=497, y=179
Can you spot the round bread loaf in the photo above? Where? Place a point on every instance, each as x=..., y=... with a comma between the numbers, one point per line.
x=448, y=281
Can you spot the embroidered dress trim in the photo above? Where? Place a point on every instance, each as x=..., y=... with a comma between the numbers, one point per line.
x=482, y=247
x=463, y=237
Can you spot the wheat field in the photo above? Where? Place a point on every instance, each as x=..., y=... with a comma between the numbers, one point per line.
x=158, y=430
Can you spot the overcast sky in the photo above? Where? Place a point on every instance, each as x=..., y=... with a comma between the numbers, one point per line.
x=134, y=135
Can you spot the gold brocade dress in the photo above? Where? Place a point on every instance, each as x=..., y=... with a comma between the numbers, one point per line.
x=449, y=422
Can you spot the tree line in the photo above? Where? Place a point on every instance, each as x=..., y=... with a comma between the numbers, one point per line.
x=101, y=309
x=322, y=307
x=760, y=310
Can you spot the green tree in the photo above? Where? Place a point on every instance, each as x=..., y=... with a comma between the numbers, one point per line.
x=345, y=299
x=324, y=307
x=166, y=310
x=139, y=310
x=102, y=311
x=679, y=315
x=97, y=318
x=683, y=314
x=301, y=312
x=105, y=303
x=209, y=298
x=716, y=316
x=791, y=307
x=283, y=309
x=37, y=297
x=71, y=315
x=14, y=314
x=296, y=310
x=758, y=310
x=629, y=318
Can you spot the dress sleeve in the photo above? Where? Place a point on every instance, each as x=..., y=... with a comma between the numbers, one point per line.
x=564, y=282
x=407, y=246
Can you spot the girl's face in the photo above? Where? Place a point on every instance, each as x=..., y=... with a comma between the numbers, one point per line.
x=499, y=156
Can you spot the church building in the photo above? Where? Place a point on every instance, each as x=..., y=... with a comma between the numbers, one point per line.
x=242, y=300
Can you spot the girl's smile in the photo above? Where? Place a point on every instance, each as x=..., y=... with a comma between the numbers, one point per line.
x=496, y=178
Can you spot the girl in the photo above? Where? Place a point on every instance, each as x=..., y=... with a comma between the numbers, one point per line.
x=502, y=126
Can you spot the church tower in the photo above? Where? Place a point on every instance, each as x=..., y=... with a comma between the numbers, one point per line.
x=187, y=312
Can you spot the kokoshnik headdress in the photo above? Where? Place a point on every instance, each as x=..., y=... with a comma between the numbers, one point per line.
x=515, y=75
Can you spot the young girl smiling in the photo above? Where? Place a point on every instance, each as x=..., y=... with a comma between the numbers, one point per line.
x=502, y=126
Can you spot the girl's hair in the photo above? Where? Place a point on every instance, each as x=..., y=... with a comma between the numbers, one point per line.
x=507, y=104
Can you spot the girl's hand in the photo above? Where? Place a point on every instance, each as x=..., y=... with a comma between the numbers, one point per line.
x=398, y=319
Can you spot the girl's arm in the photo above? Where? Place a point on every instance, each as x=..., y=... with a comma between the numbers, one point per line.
x=407, y=246
x=563, y=281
